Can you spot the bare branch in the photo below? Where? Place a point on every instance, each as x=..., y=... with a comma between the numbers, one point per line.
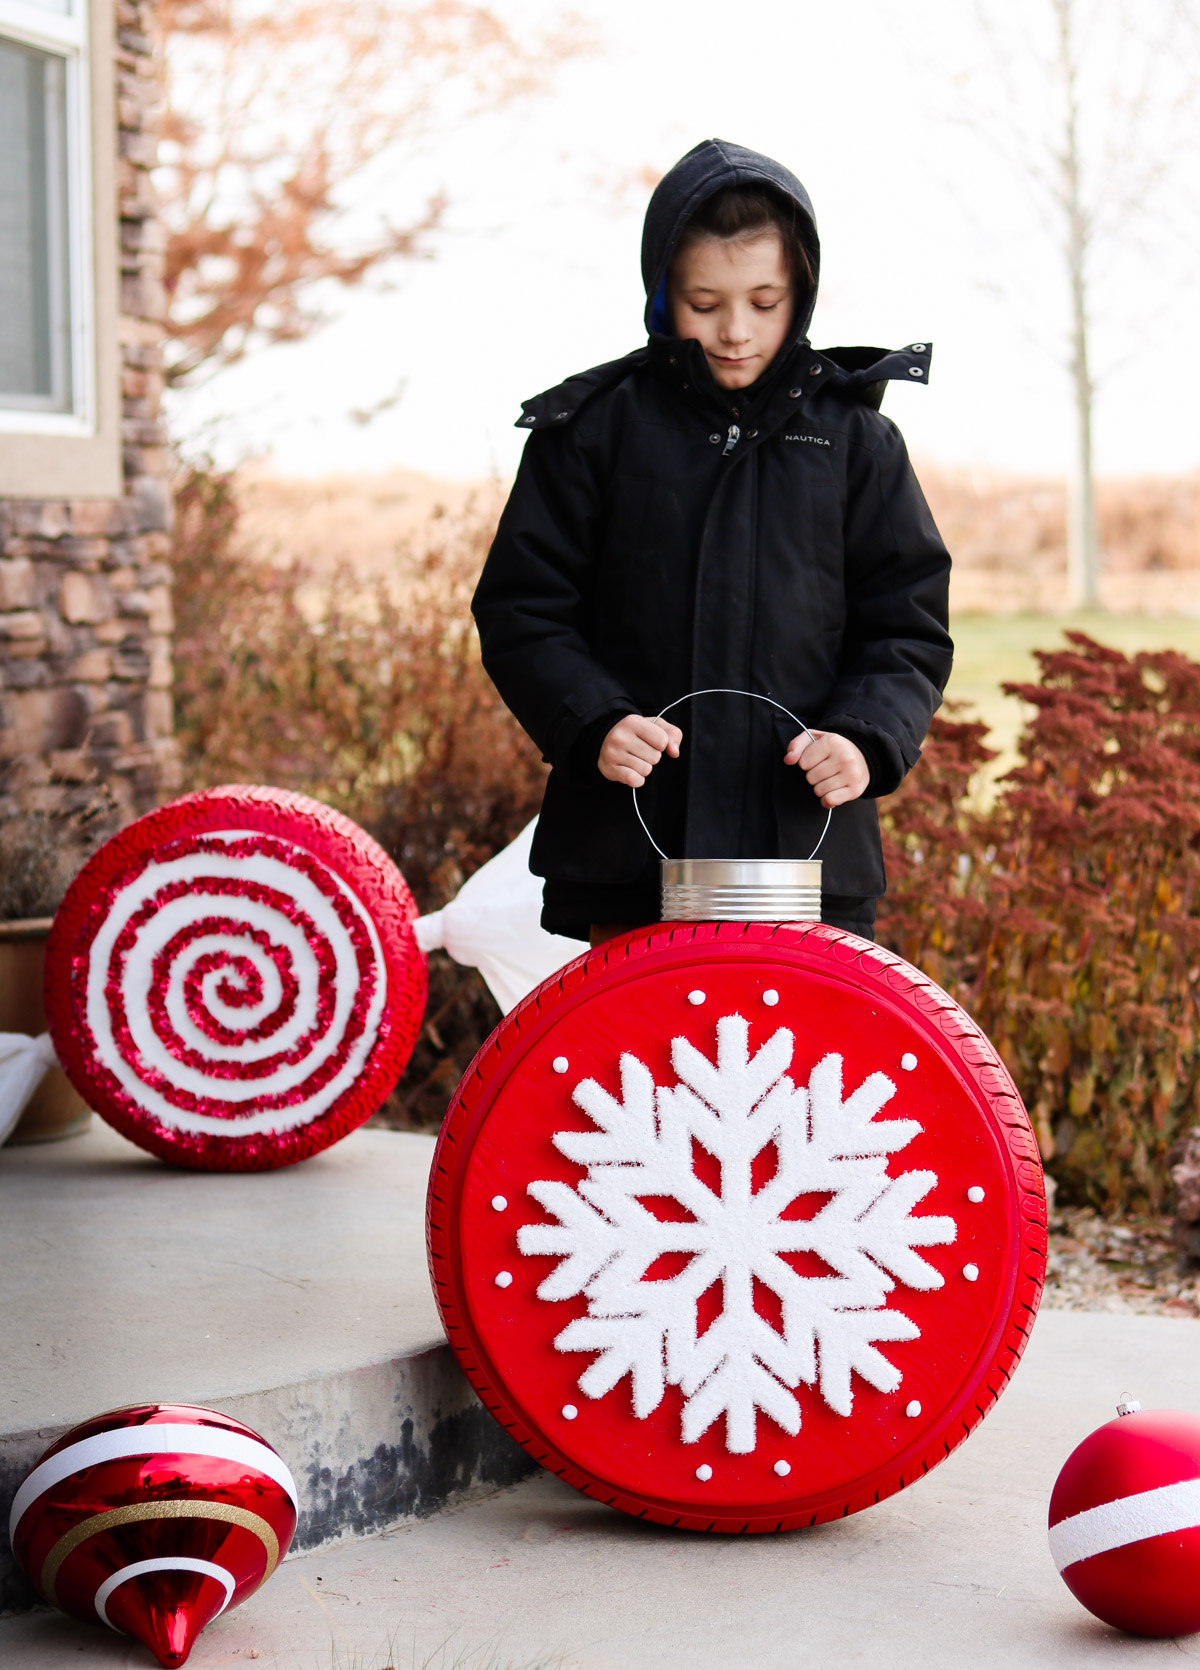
x=279, y=121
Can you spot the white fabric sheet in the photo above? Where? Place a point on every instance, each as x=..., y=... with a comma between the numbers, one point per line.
x=24, y=1062
x=494, y=925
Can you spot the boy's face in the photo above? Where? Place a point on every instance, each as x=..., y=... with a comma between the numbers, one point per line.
x=735, y=299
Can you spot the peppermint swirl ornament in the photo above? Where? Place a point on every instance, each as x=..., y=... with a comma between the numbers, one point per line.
x=232, y=981
x=154, y=1520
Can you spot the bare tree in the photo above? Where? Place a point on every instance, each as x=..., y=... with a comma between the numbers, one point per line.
x=284, y=120
x=1093, y=104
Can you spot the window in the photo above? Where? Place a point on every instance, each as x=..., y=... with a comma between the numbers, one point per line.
x=46, y=348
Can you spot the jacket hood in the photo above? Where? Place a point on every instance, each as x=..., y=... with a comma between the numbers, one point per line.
x=706, y=169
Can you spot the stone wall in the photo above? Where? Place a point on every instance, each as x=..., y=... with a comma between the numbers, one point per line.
x=85, y=590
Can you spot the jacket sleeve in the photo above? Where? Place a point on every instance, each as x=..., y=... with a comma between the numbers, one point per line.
x=897, y=651
x=531, y=602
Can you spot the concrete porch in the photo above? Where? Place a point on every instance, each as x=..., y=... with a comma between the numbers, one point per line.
x=299, y=1302
x=952, y=1574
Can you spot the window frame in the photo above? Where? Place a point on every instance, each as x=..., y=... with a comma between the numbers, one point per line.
x=67, y=36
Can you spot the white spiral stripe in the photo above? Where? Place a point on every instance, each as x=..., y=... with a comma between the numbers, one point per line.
x=155, y=1438
x=138, y=974
x=193, y=870
x=176, y=1562
x=1150, y=1513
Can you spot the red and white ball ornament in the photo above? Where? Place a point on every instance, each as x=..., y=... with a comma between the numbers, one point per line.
x=154, y=1520
x=738, y=1226
x=1125, y=1522
x=232, y=981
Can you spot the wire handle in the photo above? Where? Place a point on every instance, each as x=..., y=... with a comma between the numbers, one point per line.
x=754, y=696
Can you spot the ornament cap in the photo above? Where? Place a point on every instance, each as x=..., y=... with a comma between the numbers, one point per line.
x=1127, y=1404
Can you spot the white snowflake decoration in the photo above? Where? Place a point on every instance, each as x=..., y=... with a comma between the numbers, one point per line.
x=607, y=1239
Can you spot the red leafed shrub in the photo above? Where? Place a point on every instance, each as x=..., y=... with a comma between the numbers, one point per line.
x=1066, y=918
x=376, y=702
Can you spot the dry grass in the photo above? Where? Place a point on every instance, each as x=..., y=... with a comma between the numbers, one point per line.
x=1007, y=532
x=1008, y=537
x=369, y=524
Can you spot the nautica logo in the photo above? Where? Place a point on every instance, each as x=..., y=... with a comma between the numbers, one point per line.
x=816, y=440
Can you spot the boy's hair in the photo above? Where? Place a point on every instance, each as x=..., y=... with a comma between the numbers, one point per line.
x=737, y=212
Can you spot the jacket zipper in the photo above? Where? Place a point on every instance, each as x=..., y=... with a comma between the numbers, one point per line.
x=731, y=440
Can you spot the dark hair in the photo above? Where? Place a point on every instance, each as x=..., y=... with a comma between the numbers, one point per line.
x=737, y=212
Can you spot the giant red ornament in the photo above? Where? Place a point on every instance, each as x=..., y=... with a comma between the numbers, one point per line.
x=232, y=981
x=737, y=1227
x=1125, y=1523
x=154, y=1520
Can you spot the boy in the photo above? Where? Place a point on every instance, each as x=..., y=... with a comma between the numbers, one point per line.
x=724, y=508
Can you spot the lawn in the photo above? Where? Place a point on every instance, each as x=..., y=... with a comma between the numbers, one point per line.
x=990, y=649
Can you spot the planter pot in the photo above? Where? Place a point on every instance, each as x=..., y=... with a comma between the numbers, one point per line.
x=56, y=1108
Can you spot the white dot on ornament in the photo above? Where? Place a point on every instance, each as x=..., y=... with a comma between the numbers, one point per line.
x=783, y=1468
x=560, y=1063
x=504, y=1278
x=770, y=999
x=704, y=1473
x=912, y=1410
x=975, y=1194
x=569, y=1411
x=498, y=1203
x=696, y=998
x=971, y=1272
x=908, y=1061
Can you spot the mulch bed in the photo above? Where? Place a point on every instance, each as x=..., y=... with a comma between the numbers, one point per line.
x=1127, y=1265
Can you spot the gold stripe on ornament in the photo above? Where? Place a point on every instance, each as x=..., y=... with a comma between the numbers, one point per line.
x=179, y=1508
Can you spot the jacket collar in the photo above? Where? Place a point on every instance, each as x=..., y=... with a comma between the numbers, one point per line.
x=681, y=364
x=862, y=373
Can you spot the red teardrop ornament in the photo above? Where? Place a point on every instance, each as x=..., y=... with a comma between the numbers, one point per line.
x=153, y=1520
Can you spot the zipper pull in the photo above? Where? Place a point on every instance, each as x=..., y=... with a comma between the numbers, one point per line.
x=731, y=440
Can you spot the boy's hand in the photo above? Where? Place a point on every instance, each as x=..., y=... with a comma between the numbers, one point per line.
x=634, y=747
x=836, y=769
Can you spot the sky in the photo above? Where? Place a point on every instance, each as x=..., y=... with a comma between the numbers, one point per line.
x=928, y=234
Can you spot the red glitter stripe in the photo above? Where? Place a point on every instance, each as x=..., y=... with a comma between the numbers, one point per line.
x=228, y=965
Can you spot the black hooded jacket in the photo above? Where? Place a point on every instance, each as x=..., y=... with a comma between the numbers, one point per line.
x=665, y=536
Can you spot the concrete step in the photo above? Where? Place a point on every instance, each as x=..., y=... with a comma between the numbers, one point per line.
x=297, y=1301
x=951, y=1574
